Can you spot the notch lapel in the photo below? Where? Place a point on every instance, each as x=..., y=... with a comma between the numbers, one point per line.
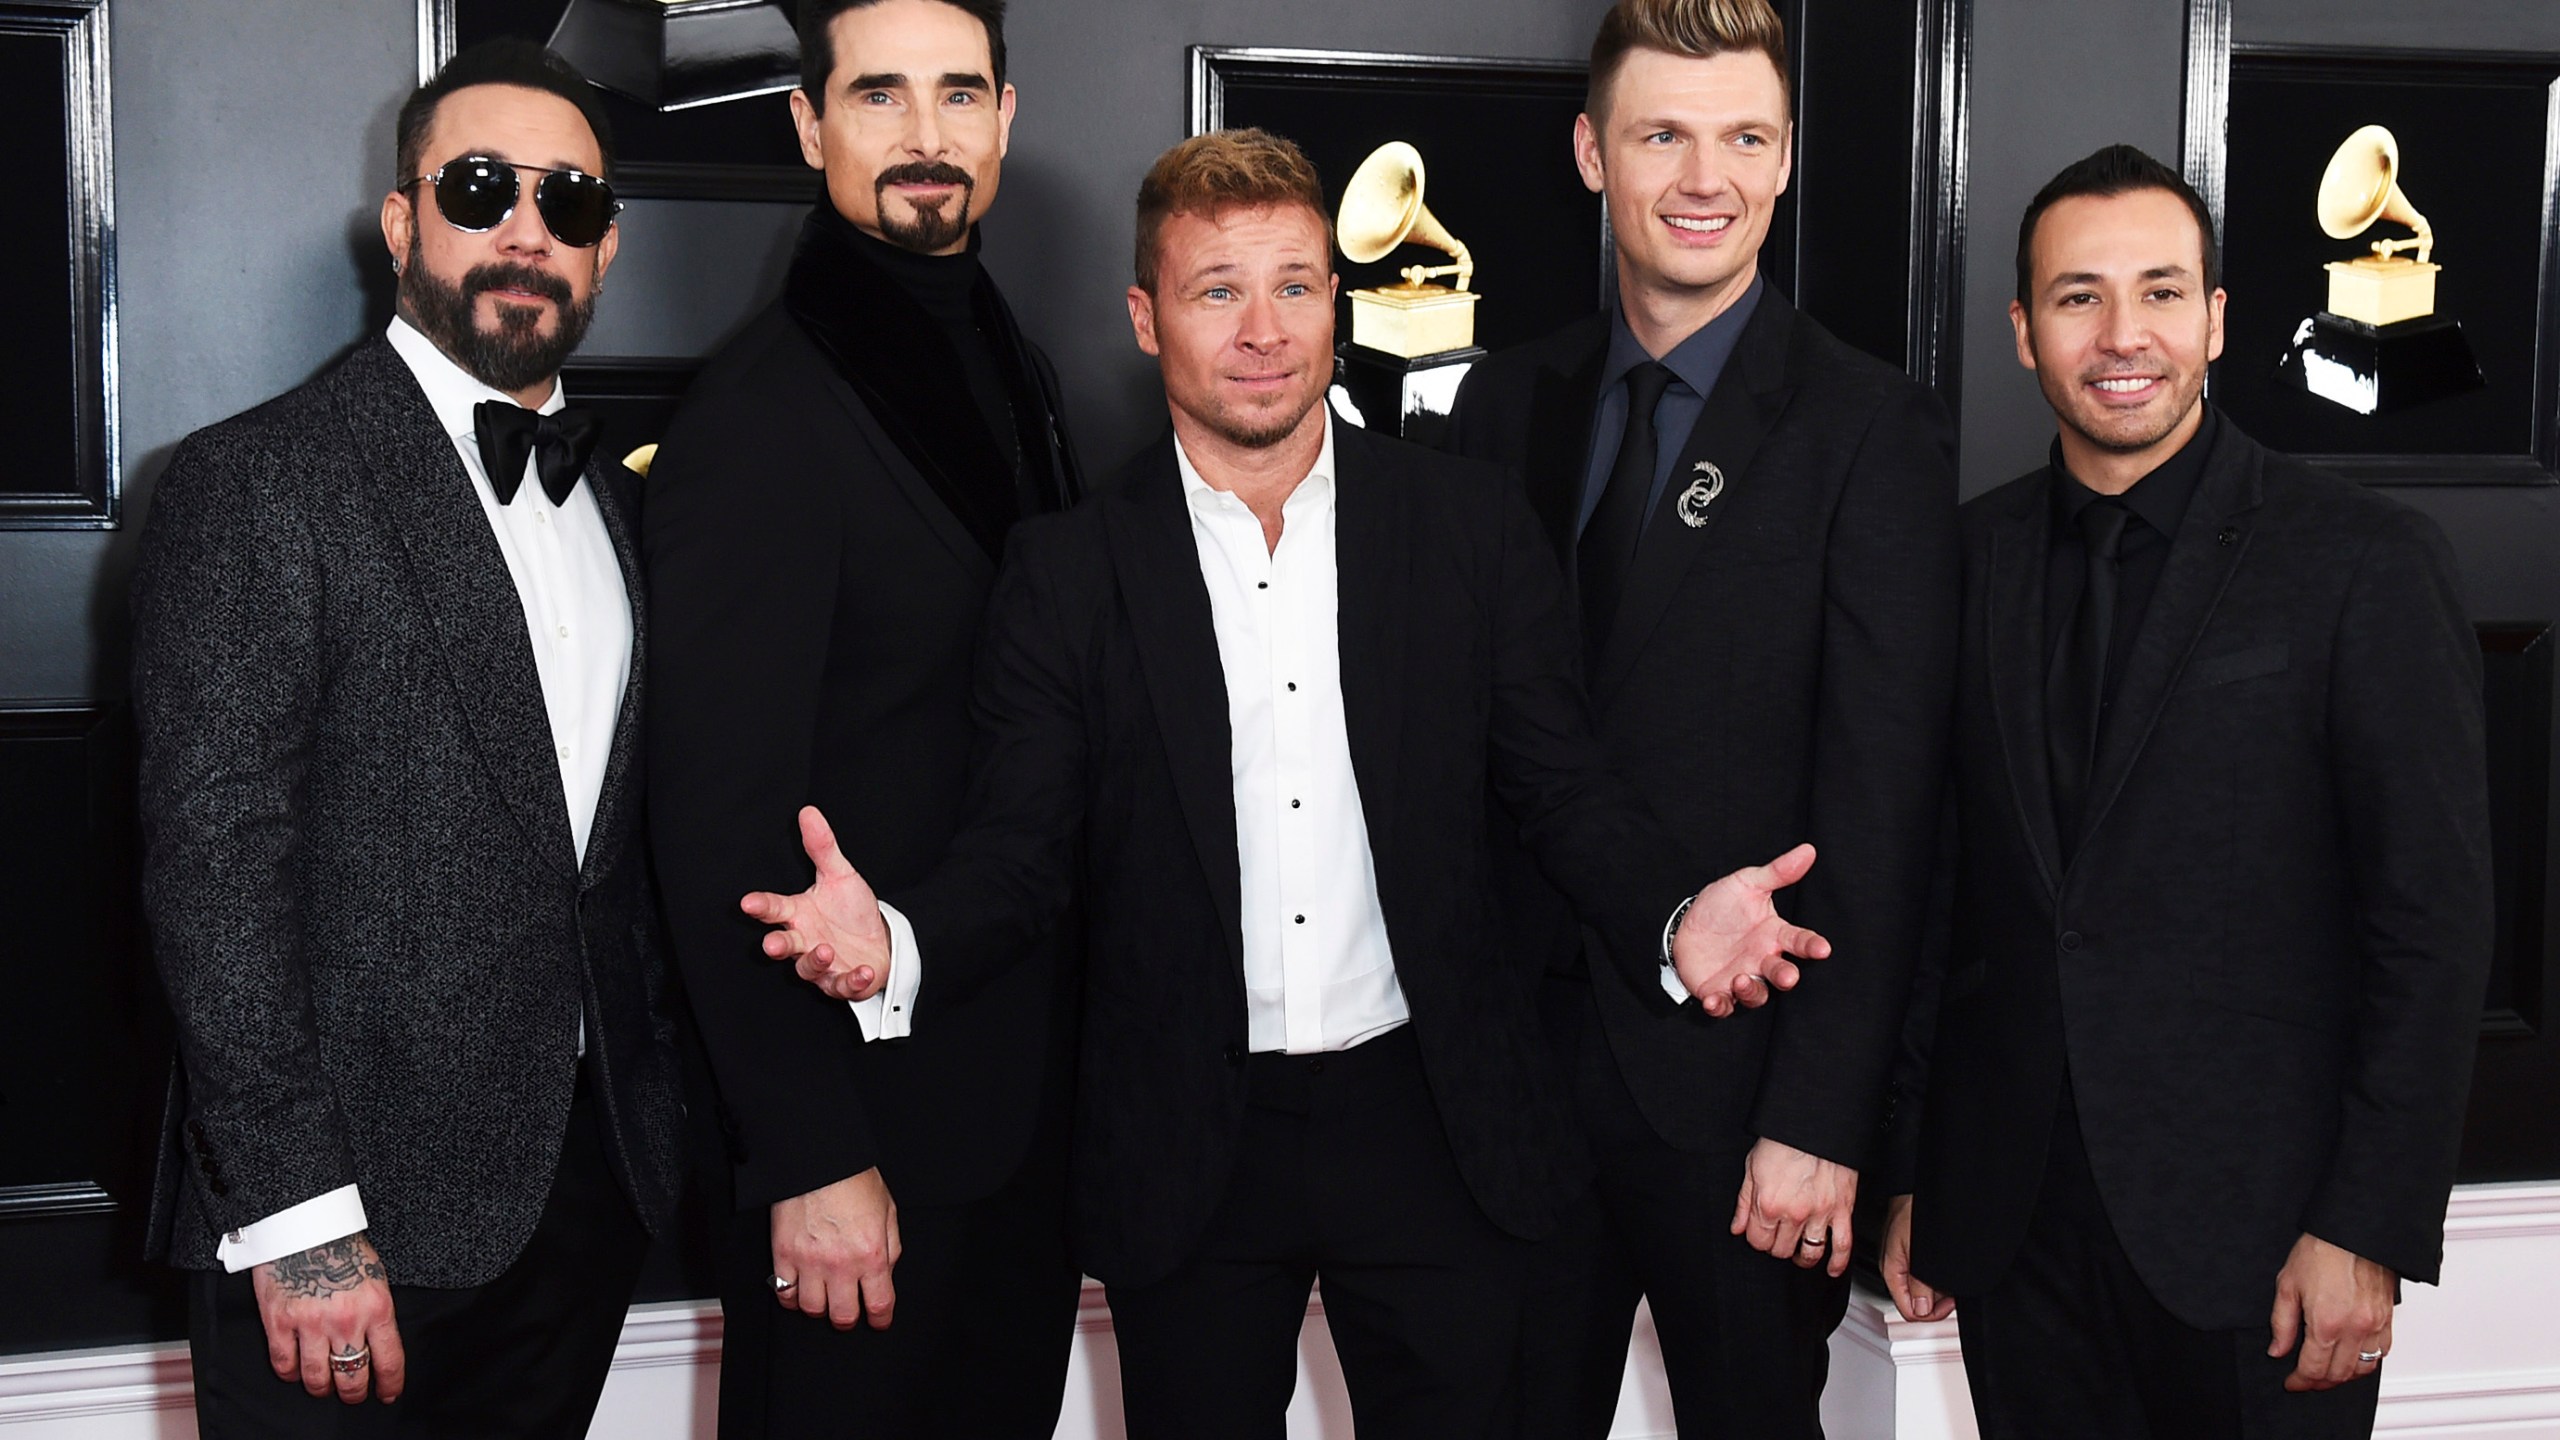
x=2192, y=582
x=2014, y=648
x=424, y=497
x=613, y=808
x=1745, y=405
x=1564, y=403
x=1373, y=567
x=1158, y=566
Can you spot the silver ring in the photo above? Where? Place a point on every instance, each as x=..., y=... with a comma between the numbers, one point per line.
x=1814, y=1241
x=2369, y=1357
x=784, y=1287
x=351, y=1359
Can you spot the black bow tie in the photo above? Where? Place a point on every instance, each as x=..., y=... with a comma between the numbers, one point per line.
x=559, y=444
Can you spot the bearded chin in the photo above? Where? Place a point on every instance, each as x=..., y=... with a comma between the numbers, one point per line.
x=928, y=231
x=516, y=355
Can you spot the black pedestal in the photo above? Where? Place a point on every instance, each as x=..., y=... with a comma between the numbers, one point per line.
x=2376, y=369
x=1399, y=396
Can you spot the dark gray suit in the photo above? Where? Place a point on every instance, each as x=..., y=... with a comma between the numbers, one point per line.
x=359, y=873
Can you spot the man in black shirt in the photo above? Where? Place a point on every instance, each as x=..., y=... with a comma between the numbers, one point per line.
x=823, y=525
x=2180, y=1107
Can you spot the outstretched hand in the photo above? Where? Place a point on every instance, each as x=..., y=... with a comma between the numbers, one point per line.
x=1732, y=947
x=831, y=932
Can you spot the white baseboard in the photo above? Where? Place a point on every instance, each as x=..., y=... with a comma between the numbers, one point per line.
x=2475, y=1359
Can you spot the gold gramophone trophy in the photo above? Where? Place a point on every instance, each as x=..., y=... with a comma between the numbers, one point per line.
x=1411, y=343
x=2379, y=345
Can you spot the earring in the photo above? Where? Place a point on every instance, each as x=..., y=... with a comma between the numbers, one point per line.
x=395, y=267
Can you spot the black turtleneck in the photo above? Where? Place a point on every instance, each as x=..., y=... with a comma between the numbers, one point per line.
x=946, y=287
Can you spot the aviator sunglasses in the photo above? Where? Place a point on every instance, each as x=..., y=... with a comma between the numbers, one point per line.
x=478, y=193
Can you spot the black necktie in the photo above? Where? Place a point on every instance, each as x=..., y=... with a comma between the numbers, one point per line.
x=1607, y=550
x=558, y=444
x=2076, y=685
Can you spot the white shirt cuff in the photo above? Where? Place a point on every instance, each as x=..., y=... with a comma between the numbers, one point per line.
x=292, y=1230
x=1671, y=985
x=887, y=1015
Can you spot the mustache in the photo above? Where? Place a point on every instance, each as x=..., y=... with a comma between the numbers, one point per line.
x=924, y=172
x=512, y=275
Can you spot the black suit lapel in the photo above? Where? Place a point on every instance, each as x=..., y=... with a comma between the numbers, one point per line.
x=1563, y=402
x=1715, y=461
x=1373, y=563
x=1158, y=567
x=2015, y=649
x=426, y=499
x=604, y=836
x=2202, y=559
x=919, y=492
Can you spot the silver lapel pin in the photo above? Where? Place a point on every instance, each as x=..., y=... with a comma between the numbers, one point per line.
x=1702, y=492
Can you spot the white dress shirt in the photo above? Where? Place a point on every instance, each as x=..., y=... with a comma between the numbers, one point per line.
x=578, y=616
x=1318, y=974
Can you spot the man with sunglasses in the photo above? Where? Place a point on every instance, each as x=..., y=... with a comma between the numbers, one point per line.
x=388, y=649
x=823, y=525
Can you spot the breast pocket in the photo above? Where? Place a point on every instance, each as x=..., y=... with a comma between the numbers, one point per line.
x=2234, y=666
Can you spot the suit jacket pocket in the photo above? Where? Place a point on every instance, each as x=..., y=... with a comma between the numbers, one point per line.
x=2234, y=665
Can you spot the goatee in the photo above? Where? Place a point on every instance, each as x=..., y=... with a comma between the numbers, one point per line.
x=925, y=231
x=516, y=355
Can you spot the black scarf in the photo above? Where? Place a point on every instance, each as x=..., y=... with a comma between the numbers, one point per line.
x=901, y=362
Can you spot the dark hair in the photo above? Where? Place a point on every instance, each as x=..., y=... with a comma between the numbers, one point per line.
x=818, y=51
x=1218, y=171
x=1697, y=29
x=505, y=61
x=2116, y=170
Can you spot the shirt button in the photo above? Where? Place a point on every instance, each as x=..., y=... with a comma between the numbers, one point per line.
x=541, y=519
x=2070, y=941
x=564, y=632
x=1293, y=685
x=1293, y=804
x=564, y=752
x=1302, y=919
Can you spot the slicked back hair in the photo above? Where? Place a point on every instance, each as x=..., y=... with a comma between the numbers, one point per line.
x=1697, y=29
x=2116, y=170
x=505, y=61
x=818, y=48
x=1222, y=170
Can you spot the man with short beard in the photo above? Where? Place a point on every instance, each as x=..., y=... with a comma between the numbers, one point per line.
x=2183, y=1099
x=388, y=649
x=824, y=521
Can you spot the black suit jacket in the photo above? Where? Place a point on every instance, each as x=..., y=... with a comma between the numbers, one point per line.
x=363, y=892
x=818, y=606
x=2264, y=963
x=1106, y=771
x=1780, y=674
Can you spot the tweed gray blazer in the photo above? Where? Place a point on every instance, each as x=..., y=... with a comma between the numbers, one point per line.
x=362, y=890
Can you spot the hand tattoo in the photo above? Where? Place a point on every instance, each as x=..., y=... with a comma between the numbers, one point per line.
x=330, y=1269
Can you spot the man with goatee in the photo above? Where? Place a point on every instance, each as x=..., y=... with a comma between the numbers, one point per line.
x=388, y=652
x=824, y=523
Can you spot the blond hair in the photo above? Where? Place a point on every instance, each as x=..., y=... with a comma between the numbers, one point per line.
x=1222, y=170
x=1698, y=29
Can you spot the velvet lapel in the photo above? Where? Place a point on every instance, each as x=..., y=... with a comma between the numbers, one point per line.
x=1157, y=564
x=1373, y=526
x=613, y=810
x=1564, y=402
x=2206, y=554
x=2013, y=617
x=1748, y=398
x=424, y=497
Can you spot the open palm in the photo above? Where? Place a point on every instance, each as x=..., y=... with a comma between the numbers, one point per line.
x=831, y=932
x=1733, y=947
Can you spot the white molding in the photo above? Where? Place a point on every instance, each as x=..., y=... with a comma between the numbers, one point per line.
x=2478, y=1359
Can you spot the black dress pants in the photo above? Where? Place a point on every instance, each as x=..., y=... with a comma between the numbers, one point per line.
x=1745, y=1336
x=2071, y=1345
x=524, y=1355
x=1344, y=1176
x=977, y=1348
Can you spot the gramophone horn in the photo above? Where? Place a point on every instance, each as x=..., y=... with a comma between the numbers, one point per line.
x=2361, y=187
x=1382, y=208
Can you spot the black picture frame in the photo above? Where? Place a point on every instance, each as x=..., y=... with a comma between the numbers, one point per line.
x=58, y=322
x=741, y=149
x=2259, y=133
x=1541, y=241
